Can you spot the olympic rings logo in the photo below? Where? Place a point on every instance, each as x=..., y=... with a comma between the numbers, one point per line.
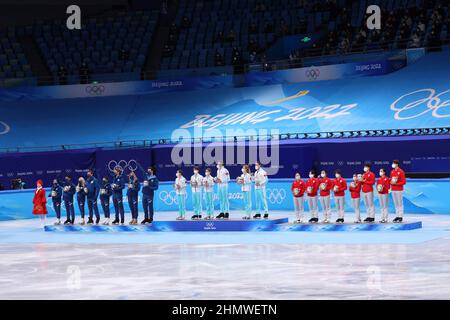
x=276, y=195
x=312, y=74
x=95, y=90
x=168, y=197
x=210, y=224
x=5, y=128
x=122, y=164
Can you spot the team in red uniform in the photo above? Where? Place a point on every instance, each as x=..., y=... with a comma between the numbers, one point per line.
x=383, y=186
x=398, y=180
x=355, y=193
x=326, y=184
x=312, y=185
x=368, y=180
x=339, y=187
x=298, y=189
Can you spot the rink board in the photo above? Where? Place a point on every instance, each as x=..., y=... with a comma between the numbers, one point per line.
x=237, y=225
x=348, y=227
x=186, y=225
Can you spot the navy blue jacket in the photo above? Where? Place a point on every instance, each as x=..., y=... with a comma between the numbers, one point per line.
x=93, y=187
x=107, y=187
x=135, y=187
x=117, y=186
x=153, y=184
x=59, y=191
x=81, y=195
x=68, y=195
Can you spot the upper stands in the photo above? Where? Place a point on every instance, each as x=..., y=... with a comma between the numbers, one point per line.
x=222, y=33
x=13, y=63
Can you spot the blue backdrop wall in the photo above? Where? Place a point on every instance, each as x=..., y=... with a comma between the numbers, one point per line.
x=419, y=154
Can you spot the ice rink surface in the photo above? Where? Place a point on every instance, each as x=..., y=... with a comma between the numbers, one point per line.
x=226, y=265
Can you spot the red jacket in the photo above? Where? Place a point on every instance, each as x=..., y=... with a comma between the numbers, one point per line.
x=314, y=184
x=401, y=179
x=355, y=191
x=341, y=185
x=368, y=181
x=385, y=183
x=39, y=202
x=329, y=186
x=300, y=185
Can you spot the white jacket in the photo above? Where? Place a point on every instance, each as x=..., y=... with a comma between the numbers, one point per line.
x=182, y=183
x=247, y=185
x=260, y=178
x=196, y=183
x=223, y=175
x=208, y=183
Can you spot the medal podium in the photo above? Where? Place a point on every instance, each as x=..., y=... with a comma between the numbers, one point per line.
x=253, y=225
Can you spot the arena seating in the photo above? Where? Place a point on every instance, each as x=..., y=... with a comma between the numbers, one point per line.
x=206, y=34
x=211, y=33
x=115, y=44
x=13, y=63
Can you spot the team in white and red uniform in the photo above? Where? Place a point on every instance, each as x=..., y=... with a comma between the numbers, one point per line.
x=362, y=183
x=339, y=187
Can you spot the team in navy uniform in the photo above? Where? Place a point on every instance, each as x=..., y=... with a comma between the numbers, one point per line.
x=93, y=189
x=117, y=187
x=68, y=194
x=56, y=195
x=105, y=195
x=133, y=193
x=150, y=185
x=81, y=197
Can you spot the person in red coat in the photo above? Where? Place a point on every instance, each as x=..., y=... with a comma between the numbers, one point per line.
x=312, y=185
x=326, y=184
x=383, y=186
x=398, y=180
x=40, y=201
x=355, y=193
x=339, y=187
x=367, y=188
x=298, y=189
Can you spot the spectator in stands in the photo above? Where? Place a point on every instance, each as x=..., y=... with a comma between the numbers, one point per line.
x=268, y=26
x=231, y=36
x=173, y=28
x=167, y=52
x=123, y=54
x=84, y=73
x=185, y=22
x=220, y=37
x=253, y=28
x=415, y=41
x=219, y=59
x=62, y=75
